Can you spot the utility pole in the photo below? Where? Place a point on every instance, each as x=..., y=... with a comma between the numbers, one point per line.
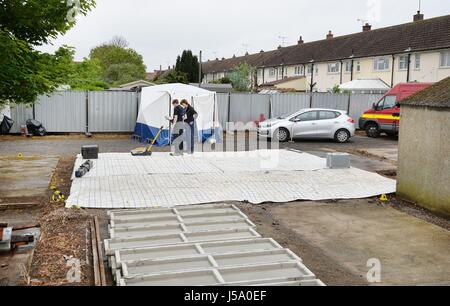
x=200, y=70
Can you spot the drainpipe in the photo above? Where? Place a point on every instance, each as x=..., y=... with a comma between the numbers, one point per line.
x=342, y=66
x=409, y=68
x=351, y=73
x=312, y=77
x=263, y=75
x=393, y=68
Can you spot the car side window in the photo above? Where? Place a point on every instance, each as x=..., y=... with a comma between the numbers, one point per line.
x=380, y=104
x=326, y=115
x=309, y=116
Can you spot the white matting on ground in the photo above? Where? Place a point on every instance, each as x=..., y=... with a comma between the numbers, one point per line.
x=123, y=181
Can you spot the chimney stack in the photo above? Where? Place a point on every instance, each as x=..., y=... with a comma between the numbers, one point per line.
x=330, y=35
x=419, y=16
x=279, y=47
x=300, y=41
x=367, y=27
x=262, y=51
x=246, y=53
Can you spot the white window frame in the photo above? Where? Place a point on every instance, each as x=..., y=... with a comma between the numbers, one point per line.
x=310, y=69
x=403, y=62
x=381, y=63
x=298, y=70
x=358, y=66
x=348, y=66
x=417, y=61
x=334, y=68
x=445, y=59
x=272, y=72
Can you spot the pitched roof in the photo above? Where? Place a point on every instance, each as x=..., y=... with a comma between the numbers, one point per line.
x=281, y=81
x=429, y=34
x=437, y=95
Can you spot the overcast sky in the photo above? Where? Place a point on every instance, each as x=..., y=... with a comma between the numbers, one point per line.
x=162, y=29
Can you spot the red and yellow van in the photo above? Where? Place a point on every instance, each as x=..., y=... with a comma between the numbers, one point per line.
x=385, y=114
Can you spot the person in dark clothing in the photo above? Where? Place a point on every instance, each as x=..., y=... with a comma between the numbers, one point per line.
x=190, y=117
x=178, y=121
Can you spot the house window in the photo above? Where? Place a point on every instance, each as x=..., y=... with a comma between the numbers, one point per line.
x=358, y=66
x=348, y=66
x=417, y=62
x=310, y=69
x=381, y=64
x=280, y=71
x=272, y=72
x=298, y=70
x=403, y=62
x=445, y=59
x=334, y=68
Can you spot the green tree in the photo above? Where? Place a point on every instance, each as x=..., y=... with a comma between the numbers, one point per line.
x=188, y=64
x=85, y=75
x=25, y=72
x=241, y=77
x=175, y=76
x=336, y=89
x=119, y=63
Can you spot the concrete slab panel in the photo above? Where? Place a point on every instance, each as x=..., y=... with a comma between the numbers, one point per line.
x=234, y=246
x=254, y=258
x=209, y=248
x=273, y=273
x=202, y=262
x=198, y=278
x=305, y=283
x=148, y=267
x=114, y=244
x=180, y=228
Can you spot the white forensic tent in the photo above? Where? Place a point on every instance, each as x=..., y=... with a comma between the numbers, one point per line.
x=156, y=105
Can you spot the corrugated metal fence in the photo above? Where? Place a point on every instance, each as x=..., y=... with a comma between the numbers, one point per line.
x=115, y=111
x=78, y=111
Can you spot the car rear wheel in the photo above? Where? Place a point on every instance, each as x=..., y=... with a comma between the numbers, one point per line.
x=282, y=135
x=372, y=130
x=342, y=136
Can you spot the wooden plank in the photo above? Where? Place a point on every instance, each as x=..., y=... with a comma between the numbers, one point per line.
x=95, y=256
x=100, y=253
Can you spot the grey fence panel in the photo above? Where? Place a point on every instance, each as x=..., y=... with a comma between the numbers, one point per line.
x=330, y=101
x=222, y=105
x=241, y=108
x=260, y=107
x=62, y=112
x=112, y=111
x=289, y=103
x=360, y=103
x=20, y=113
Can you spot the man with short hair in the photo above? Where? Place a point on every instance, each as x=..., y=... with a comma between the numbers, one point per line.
x=177, y=120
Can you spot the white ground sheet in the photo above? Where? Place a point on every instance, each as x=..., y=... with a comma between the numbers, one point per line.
x=123, y=181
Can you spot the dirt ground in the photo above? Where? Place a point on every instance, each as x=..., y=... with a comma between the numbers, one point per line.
x=332, y=237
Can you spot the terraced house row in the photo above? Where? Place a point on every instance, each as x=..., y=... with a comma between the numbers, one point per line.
x=417, y=51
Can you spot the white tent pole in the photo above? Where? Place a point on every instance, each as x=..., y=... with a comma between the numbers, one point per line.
x=170, y=123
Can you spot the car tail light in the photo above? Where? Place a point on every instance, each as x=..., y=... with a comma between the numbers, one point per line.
x=351, y=120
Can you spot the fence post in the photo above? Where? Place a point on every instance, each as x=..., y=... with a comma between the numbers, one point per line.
x=311, y=100
x=229, y=110
x=349, y=103
x=270, y=106
x=87, y=112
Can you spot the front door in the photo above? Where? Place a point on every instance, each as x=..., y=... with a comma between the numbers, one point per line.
x=305, y=125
